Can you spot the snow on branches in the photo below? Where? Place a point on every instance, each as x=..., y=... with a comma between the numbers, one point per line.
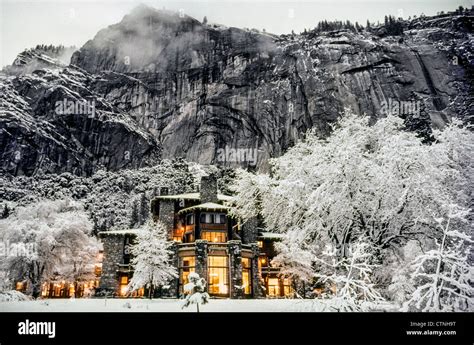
x=151, y=258
x=443, y=276
x=195, y=291
x=376, y=182
x=58, y=232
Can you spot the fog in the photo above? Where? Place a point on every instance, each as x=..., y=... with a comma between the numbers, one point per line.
x=24, y=24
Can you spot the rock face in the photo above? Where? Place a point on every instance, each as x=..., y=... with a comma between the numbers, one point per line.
x=166, y=86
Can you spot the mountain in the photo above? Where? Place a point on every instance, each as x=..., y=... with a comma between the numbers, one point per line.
x=164, y=85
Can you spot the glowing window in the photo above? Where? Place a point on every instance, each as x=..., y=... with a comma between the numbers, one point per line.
x=187, y=265
x=287, y=289
x=273, y=287
x=218, y=272
x=246, y=280
x=123, y=280
x=214, y=236
x=260, y=244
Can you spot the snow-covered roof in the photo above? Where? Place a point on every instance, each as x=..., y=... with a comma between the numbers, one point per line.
x=208, y=206
x=119, y=232
x=270, y=236
x=192, y=196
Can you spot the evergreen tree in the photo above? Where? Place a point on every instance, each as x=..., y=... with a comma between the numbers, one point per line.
x=151, y=258
x=5, y=212
x=134, y=218
x=144, y=208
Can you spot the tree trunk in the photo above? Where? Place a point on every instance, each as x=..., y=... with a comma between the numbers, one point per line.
x=150, y=292
x=197, y=307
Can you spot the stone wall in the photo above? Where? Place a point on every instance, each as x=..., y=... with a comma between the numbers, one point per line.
x=201, y=258
x=249, y=230
x=235, y=265
x=113, y=255
x=209, y=189
x=257, y=290
x=173, y=284
x=167, y=216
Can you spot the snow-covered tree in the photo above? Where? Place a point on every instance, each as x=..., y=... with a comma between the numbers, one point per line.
x=347, y=282
x=57, y=237
x=377, y=182
x=350, y=277
x=151, y=258
x=443, y=277
x=195, y=291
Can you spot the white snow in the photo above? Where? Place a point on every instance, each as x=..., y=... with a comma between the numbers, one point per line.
x=169, y=305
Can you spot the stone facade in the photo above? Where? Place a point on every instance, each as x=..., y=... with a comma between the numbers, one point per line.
x=188, y=241
x=235, y=266
x=113, y=255
x=201, y=257
x=249, y=230
x=256, y=277
x=209, y=189
x=166, y=215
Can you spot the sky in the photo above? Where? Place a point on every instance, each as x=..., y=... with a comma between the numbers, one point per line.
x=26, y=23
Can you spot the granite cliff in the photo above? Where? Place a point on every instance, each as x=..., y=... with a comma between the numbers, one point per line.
x=165, y=85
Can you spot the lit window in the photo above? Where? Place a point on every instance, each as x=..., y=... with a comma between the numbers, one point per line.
x=246, y=280
x=214, y=236
x=260, y=244
x=187, y=265
x=177, y=238
x=218, y=275
x=123, y=290
x=273, y=287
x=189, y=237
x=123, y=280
x=287, y=289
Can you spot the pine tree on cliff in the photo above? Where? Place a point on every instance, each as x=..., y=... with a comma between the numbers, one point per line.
x=144, y=208
x=204, y=21
x=5, y=212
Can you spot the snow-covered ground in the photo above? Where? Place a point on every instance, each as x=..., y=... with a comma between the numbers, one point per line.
x=164, y=305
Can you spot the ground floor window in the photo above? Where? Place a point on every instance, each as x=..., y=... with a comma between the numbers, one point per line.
x=68, y=289
x=123, y=288
x=273, y=287
x=218, y=281
x=123, y=283
x=246, y=276
x=279, y=287
x=187, y=265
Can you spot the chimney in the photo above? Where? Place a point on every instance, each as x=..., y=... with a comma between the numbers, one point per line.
x=209, y=189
